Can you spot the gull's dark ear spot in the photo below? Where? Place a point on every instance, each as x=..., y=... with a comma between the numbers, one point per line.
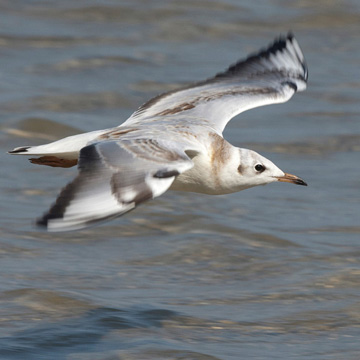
x=240, y=169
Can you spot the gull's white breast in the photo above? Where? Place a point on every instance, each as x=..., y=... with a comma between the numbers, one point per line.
x=211, y=173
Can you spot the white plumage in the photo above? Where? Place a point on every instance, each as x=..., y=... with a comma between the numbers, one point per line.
x=173, y=141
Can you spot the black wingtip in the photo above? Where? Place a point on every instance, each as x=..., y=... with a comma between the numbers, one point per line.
x=42, y=222
x=278, y=45
x=57, y=210
x=19, y=150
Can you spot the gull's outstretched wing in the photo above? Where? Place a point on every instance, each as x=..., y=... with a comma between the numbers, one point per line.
x=271, y=76
x=114, y=177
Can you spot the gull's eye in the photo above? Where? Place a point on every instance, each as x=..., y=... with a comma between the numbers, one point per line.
x=259, y=168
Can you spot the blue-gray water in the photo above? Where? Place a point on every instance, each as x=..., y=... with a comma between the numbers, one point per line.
x=268, y=273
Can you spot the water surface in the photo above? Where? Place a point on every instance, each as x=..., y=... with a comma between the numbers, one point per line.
x=269, y=273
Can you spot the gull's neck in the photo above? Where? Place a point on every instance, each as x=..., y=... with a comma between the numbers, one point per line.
x=209, y=174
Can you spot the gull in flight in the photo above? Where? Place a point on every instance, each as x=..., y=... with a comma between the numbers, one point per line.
x=173, y=142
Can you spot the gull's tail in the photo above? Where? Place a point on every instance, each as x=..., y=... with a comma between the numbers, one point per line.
x=63, y=153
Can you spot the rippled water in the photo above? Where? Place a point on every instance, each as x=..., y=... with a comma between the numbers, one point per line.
x=268, y=273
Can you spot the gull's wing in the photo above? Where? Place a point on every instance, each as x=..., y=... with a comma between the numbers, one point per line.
x=114, y=177
x=271, y=76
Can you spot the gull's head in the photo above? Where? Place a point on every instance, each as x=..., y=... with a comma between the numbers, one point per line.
x=252, y=169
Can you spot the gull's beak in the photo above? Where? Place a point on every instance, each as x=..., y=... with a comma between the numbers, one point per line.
x=291, y=179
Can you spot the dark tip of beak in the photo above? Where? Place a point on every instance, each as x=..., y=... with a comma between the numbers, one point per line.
x=293, y=179
x=300, y=182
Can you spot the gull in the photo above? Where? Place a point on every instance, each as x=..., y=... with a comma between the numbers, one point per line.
x=173, y=142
